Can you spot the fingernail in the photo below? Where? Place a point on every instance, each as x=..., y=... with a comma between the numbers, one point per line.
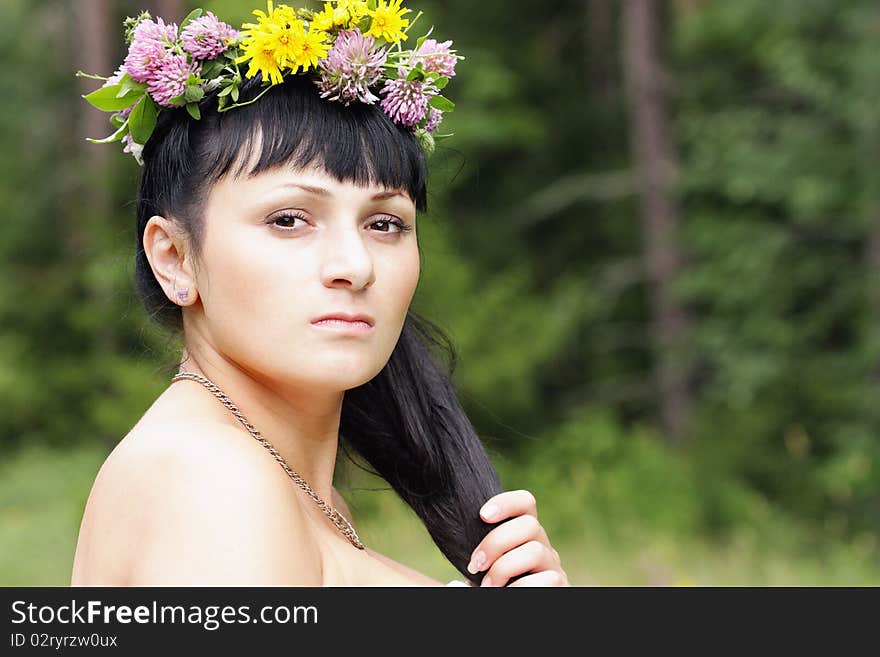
x=486, y=581
x=477, y=563
x=489, y=511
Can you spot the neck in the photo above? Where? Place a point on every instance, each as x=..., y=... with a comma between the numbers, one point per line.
x=303, y=426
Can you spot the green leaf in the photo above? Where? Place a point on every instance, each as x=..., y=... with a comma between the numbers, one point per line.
x=212, y=69
x=193, y=109
x=441, y=82
x=442, y=103
x=235, y=94
x=178, y=100
x=116, y=136
x=193, y=93
x=415, y=74
x=107, y=100
x=422, y=38
x=442, y=137
x=130, y=86
x=230, y=56
x=142, y=120
x=191, y=16
x=225, y=91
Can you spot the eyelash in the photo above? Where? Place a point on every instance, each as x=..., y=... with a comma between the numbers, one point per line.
x=402, y=226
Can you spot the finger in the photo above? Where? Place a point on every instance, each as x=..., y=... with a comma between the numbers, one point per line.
x=507, y=504
x=505, y=537
x=543, y=578
x=528, y=557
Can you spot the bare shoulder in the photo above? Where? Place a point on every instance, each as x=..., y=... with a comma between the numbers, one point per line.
x=217, y=510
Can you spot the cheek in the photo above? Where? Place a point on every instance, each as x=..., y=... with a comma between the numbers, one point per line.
x=253, y=299
x=243, y=279
x=403, y=278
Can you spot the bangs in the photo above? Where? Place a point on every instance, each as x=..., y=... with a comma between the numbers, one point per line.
x=292, y=125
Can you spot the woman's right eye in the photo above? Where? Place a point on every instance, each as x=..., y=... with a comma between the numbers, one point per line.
x=286, y=221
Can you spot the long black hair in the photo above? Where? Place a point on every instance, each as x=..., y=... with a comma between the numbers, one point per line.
x=406, y=422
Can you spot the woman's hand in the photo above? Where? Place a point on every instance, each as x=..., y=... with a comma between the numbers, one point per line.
x=517, y=546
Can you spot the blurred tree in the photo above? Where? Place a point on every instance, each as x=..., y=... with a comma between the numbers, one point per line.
x=777, y=118
x=656, y=161
x=96, y=53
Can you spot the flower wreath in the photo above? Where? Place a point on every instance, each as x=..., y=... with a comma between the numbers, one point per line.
x=355, y=47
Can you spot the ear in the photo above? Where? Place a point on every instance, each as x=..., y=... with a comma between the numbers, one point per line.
x=165, y=248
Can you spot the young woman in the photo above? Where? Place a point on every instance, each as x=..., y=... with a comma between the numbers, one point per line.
x=280, y=240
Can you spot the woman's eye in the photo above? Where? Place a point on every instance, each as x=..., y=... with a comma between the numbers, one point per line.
x=286, y=220
x=391, y=226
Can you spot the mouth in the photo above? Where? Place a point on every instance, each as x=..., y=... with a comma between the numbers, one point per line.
x=345, y=323
x=347, y=317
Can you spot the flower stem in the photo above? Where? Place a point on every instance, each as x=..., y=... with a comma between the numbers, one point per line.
x=413, y=22
x=80, y=74
x=256, y=98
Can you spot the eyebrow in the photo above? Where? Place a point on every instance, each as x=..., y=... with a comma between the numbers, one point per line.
x=321, y=191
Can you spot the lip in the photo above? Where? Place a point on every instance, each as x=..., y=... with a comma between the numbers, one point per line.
x=347, y=317
x=345, y=323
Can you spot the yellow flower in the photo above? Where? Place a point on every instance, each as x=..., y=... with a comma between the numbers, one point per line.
x=356, y=9
x=286, y=16
x=287, y=42
x=313, y=46
x=388, y=21
x=280, y=17
x=260, y=50
x=263, y=19
x=330, y=17
x=278, y=41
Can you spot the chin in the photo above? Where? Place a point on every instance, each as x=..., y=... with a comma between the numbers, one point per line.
x=344, y=371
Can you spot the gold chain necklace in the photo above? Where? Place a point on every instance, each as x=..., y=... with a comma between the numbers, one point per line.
x=337, y=518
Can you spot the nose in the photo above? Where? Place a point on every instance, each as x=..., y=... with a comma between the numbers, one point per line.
x=346, y=259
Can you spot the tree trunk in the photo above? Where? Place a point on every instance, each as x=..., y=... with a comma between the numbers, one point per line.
x=94, y=53
x=655, y=160
x=94, y=50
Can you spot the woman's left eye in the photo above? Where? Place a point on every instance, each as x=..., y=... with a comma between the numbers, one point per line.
x=387, y=223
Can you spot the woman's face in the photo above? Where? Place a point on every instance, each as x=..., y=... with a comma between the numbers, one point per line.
x=286, y=247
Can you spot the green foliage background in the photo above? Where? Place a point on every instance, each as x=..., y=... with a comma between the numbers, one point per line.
x=531, y=261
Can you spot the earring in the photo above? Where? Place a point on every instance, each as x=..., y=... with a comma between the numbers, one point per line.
x=183, y=295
